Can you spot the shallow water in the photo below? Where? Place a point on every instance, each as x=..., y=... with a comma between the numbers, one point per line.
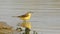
x=45, y=19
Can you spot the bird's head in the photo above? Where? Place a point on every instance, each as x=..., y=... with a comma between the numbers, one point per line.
x=29, y=13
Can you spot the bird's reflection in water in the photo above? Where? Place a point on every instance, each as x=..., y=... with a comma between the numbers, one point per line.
x=27, y=26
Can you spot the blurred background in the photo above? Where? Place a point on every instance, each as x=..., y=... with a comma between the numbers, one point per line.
x=45, y=19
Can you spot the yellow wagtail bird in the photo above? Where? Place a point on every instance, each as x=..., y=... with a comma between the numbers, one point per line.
x=25, y=17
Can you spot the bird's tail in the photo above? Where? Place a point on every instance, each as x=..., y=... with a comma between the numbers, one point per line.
x=16, y=16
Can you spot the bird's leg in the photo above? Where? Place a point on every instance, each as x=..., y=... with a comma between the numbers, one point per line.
x=24, y=21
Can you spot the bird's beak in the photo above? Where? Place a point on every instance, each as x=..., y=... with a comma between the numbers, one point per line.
x=31, y=12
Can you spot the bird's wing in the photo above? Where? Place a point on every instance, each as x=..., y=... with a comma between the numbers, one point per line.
x=23, y=15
